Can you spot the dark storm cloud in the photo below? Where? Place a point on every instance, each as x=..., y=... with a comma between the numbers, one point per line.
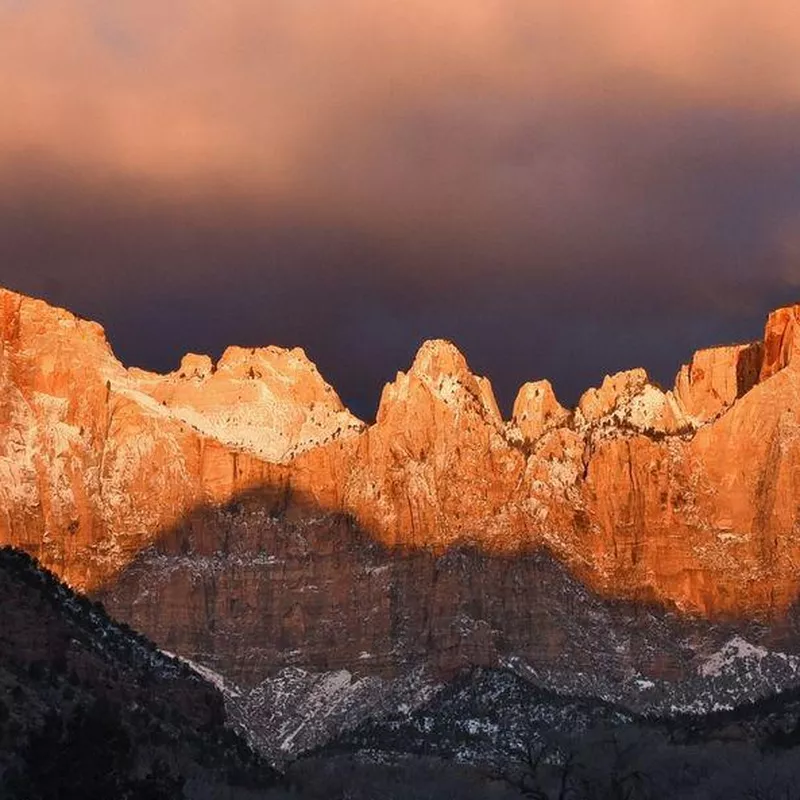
x=564, y=188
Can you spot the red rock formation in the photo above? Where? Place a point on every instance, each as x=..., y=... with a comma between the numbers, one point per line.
x=781, y=340
x=716, y=378
x=685, y=496
x=266, y=401
x=91, y=467
x=536, y=410
x=436, y=466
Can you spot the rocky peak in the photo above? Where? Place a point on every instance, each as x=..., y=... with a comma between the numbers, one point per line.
x=439, y=443
x=257, y=362
x=41, y=318
x=59, y=339
x=443, y=369
x=615, y=391
x=269, y=401
x=286, y=373
x=716, y=378
x=781, y=340
x=628, y=400
x=195, y=366
x=438, y=358
x=537, y=410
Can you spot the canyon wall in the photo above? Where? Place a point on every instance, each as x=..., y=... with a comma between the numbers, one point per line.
x=686, y=497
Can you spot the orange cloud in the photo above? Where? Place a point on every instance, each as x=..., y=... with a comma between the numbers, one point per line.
x=186, y=88
x=494, y=119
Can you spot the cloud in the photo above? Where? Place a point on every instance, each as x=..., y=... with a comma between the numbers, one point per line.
x=296, y=95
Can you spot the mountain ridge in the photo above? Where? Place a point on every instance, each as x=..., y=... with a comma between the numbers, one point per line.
x=632, y=488
x=91, y=709
x=639, y=548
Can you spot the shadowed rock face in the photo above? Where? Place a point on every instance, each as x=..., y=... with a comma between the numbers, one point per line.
x=684, y=497
x=316, y=628
x=277, y=594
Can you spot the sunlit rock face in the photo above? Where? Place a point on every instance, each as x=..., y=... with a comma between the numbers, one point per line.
x=685, y=496
x=96, y=460
x=781, y=340
x=268, y=401
x=436, y=466
x=537, y=410
x=716, y=378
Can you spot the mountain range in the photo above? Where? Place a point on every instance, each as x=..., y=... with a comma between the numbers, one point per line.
x=640, y=549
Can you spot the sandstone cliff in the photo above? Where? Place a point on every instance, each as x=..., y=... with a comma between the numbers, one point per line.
x=685, y=496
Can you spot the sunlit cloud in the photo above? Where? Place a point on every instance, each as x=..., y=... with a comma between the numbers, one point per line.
x=291, y=93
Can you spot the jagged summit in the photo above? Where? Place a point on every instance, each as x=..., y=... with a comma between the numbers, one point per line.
x=631, y=401
x=704, y=388
x=15, y=304
x=537, y=410
x=241, y=360
x=716, y=378
x=684, y=496
x=271, y=402
x=437, y=358
x=781, y=340
x=195, y=366
x=441, y=368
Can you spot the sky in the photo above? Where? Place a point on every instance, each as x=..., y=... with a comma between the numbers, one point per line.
x=565, y=188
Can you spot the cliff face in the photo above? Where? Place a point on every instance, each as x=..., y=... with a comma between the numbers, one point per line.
x=322, y=595
x=686, y=496
x=95, y=460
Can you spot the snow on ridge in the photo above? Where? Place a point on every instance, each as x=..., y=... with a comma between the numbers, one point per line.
x=228, y=689
x=268, y=426
x=739, y=650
